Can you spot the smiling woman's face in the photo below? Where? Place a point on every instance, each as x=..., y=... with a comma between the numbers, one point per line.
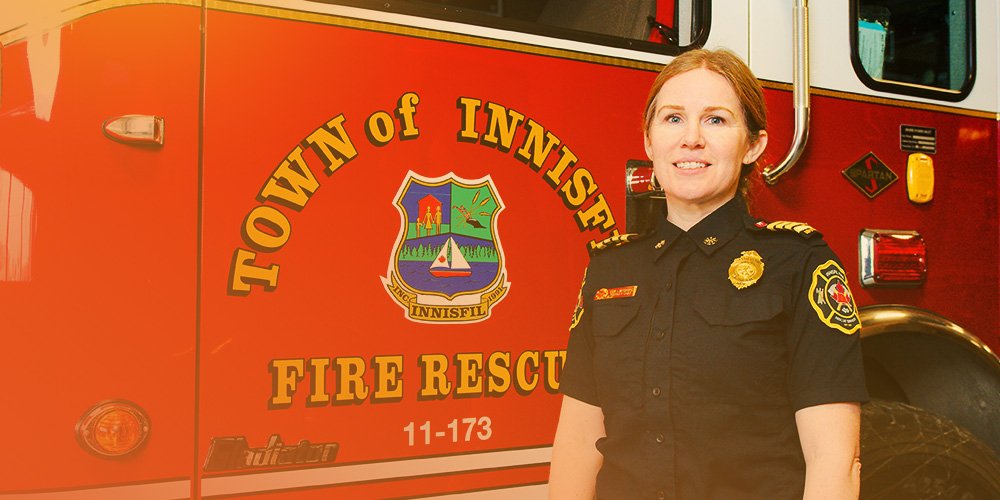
x=697, y=140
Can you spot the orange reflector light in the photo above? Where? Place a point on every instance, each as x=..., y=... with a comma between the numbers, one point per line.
x=892, y=258
x=113, y=428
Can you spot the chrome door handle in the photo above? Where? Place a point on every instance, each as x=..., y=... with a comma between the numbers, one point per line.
x=135, y=129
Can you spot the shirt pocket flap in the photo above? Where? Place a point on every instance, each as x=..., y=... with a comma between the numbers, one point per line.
x=611, y=318
x=738, y=310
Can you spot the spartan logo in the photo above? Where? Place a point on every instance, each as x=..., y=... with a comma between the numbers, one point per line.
x=447, y=265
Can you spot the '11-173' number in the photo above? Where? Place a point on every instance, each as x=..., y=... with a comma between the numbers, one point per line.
x=480, y=428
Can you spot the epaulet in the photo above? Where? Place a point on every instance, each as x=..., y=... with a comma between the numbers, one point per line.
x=613, y=241
x=801, y=228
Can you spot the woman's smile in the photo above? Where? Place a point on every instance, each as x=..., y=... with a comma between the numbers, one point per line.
x=690, y=165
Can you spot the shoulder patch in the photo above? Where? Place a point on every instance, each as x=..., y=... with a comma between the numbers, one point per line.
x=801, y=228
x=613, y=241
x=832, y=300
x=578, y=311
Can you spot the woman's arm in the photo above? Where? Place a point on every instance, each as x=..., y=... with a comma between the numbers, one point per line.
x=575, y=459
x=829, y=437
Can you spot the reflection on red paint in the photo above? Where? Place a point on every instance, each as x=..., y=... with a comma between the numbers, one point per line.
x=17, y=215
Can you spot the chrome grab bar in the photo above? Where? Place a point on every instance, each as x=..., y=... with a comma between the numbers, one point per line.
x=800, y=91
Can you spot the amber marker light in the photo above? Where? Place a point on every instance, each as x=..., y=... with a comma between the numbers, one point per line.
x=113, y=429
x=892, y=258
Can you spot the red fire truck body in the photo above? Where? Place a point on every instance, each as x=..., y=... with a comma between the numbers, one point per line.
x=217, y=220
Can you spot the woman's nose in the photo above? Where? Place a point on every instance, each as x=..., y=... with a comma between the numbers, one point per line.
x=692, y=135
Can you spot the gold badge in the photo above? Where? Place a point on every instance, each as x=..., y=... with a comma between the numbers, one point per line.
x=660, y=244
x=711, y=240
x=746, y=269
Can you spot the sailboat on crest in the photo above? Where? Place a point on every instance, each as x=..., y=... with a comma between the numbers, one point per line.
x=455, y=266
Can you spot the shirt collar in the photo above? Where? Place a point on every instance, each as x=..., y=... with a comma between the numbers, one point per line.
x=720, y=226
x=710, y=233
x=666, y=234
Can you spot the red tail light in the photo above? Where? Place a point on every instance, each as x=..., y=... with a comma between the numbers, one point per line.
x=892, y=258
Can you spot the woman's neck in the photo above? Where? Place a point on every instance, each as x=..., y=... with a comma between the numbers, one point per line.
x=685, y=215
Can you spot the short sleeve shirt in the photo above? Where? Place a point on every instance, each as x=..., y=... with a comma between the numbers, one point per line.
x=700, y=346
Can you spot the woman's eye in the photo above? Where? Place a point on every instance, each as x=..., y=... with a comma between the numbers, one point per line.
x=716, y=120
x=672, y=119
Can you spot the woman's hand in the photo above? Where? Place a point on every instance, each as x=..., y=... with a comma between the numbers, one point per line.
x=575, y=459
x=829, y=437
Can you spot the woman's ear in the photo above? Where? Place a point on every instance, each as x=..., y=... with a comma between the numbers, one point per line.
x=647, y=145
x=755, y=149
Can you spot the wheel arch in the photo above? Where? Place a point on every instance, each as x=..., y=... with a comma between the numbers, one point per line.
x=920, y=358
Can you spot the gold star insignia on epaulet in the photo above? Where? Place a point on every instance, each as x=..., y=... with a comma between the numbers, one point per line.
x=613, y=241
x=803, y=229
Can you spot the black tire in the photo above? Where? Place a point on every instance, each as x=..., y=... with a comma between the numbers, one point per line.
x=909, y=453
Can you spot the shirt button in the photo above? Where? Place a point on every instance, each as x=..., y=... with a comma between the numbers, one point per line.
x=656, y=391
x=667, y=286
x=660, y=334
x=660, y=438
x=660, y=495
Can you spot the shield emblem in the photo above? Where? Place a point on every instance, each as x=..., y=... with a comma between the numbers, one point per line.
x=832, y=300
x=447, y=265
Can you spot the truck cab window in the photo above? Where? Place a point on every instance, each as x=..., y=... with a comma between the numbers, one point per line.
x=663, y=26
x=922, y=48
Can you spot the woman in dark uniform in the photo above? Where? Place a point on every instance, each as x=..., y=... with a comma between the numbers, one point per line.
x=717, y=357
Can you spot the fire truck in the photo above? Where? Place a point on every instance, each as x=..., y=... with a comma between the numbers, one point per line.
x=302, y=249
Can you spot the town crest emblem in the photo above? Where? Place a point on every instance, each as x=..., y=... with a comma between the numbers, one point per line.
x=447, y=265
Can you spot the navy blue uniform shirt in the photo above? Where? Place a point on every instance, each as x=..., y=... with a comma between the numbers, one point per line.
x=700, y=346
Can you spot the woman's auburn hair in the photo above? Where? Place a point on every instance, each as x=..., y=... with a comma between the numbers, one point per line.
x=748, y=90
